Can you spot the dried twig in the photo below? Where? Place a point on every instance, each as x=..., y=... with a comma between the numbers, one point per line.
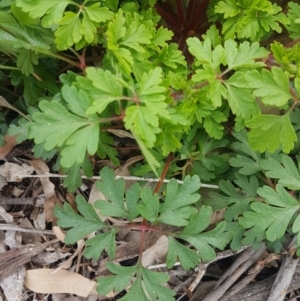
x=233, y=273
x=285, y=274
x=11, y=260
x=11, y=227
x=127, y=178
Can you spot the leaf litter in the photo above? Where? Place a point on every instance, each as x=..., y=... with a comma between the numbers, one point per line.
x=38, y=264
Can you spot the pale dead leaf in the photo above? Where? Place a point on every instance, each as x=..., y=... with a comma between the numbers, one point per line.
x=6, y=104
x=41, y=168
x=120, y=133
x=43, y=281
x=27, y=237
x=156, y=253
x=68, y=263
x=49, y=208
x=59, y=233
x=11, y=171
x=10, y=143
x=96, y=195
x=2, y=182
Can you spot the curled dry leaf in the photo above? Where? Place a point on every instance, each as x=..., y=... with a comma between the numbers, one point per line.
x=157, y=252
x=49, y=207
x=41, y=168
x=10, y=143
x=13, y=172
x=43, y=281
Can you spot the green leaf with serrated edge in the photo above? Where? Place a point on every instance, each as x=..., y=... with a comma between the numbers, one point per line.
x=118, y=282
x=285, y=171
x=69, y=32
x=271, y=86
x=142, y=122
x=248, y=166
x=78, y=102
x=149, y=208
x=154, y=285
x=106, y=149
x=151, y=160
x=81, y=225
x=213, y=35
x=241, y=101
x=109, y=88
x=293, y=15
x=235, y=203
x=204, y=241
x=98, y=14
x=270, y=219
x=150, y=92
x=175, y=209
x=136, y=292
x=75, y=152
x=243, y=55
x=271, y=132
x=177, y=251
x=73, y=179
x=57, y=127
x=198, y=222
x=38, y=8
x=96, y=245
x=132, y=197
x=212, y=124
x=147, y=284
x=114, y=191
x=238, y=231
x=296, y=225
x=200, y=50
x=247, y=184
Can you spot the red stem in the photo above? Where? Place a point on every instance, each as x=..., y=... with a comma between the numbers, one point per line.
x=196, y=17
x=180, y=13
x=144, y=227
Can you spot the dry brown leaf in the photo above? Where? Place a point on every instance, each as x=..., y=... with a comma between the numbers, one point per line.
x=59, y=233
x=41, y=168
x=43, y=281
x=27, y=237
x=49, y=208
x=157, y=252
x=10, y=143
x=11, y=171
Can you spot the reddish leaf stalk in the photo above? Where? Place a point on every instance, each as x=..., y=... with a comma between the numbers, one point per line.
x=144, y=228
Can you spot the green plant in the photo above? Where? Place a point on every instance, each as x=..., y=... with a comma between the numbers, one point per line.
x=214, y=96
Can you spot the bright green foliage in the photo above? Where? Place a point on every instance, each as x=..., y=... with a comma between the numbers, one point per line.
x=108, y=89
x=185, y=255
x=272, y=87
x=234, y=57
x=294, y=17
x=270, y=132
x=228, y=109
x=274, y=217
x=204, y=241
x=235, y=202
x=284, y=170
x=289, y=58
x=60, y=127
x=114, y=192
x=175, y=209
x=25, y=43
x=250, y=19
x=77, y=28
x=81, y=225
x=246, y=159
x=147, y=286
